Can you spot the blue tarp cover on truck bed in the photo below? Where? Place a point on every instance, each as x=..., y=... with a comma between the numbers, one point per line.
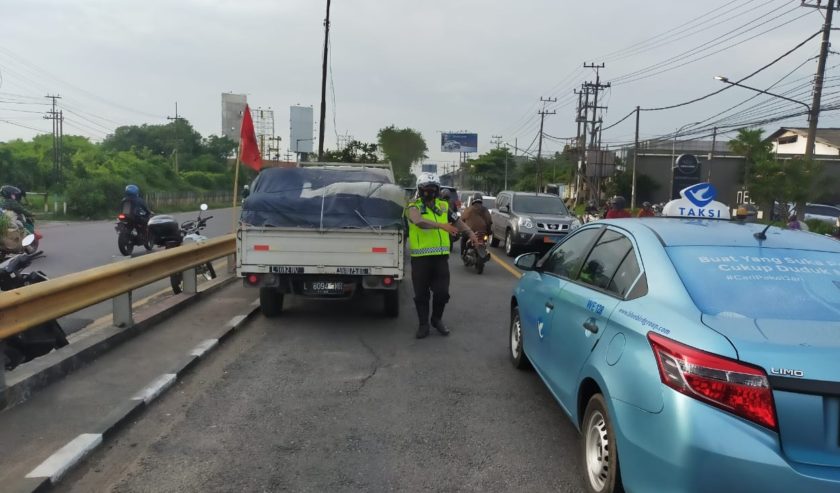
x=324, y=198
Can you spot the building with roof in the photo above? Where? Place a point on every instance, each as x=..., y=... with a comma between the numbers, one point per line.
x=792, y=141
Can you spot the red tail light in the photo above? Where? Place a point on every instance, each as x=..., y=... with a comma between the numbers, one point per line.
x=388, y=281
x=730, y=385
x=253, y=279
x=121, y=217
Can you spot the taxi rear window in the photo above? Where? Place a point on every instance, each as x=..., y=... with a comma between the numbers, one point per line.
x=761, y=283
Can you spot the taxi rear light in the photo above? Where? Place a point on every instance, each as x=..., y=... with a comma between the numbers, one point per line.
x=730, y=385
x=253, y=279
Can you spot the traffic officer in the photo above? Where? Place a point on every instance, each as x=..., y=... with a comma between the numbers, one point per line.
x=431, y=221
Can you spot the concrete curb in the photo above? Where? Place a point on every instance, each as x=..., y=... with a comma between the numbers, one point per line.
x=52, y=469
x=52, y=367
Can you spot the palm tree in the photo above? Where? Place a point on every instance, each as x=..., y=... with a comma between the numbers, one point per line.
x=750, y=144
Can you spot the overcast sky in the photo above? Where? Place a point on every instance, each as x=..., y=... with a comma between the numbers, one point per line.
x=433, y=65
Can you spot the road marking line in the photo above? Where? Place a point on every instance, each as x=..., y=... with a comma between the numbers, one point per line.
x=155, y=388
x=203, y=347
x=507, y=267
x=66, y=457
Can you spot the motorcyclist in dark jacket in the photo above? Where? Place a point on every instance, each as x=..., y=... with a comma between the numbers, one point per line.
x=134, y=206
x=10, y=200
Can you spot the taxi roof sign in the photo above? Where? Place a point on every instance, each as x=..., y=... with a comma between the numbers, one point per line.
x=697, y=202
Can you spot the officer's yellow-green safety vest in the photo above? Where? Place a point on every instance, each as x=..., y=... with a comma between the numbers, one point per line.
x=428, y=242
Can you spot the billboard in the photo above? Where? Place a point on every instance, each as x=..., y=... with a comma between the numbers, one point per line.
x=232, y=107
x=459, y=142
x=301, y=137
x=429, y=168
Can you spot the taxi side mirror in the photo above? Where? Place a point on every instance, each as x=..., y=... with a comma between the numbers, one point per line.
x=527, y=261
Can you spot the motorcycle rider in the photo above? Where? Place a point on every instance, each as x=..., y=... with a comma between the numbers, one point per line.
x=477, y=218
x=646, y=210
x=429, y=249
x=11, y=197
x=618, y=208
x=134, y=206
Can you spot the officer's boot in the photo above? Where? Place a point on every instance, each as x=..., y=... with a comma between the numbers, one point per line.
x=437, y=317
x=423, y=316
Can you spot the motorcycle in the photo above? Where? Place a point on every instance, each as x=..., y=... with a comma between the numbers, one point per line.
x=476, y=255
x=35, y=341
x=131, y=233
x=165, y=232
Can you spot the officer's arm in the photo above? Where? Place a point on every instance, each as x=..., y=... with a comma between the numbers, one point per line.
x=415, y=217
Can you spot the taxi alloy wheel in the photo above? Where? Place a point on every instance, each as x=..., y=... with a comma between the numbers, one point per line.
x=517, y=350
x=598, y=447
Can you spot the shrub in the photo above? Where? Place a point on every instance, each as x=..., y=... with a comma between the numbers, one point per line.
x=820, y=227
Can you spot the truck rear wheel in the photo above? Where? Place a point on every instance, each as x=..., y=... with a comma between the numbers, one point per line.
x=392, y=303
x=271, y=302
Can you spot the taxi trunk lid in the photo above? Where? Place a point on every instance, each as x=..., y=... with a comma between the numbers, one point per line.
x=801, y=360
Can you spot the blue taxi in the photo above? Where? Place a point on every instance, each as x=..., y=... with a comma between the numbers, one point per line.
x=694, y=355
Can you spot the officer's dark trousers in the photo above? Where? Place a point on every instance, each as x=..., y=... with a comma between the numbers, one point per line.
x=430, y=275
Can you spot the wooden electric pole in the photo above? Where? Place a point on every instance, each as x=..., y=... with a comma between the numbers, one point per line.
x=324, y=85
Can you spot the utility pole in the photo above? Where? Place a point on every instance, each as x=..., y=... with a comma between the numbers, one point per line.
x=595, y=143
x=542, y=113
x=635, y=162
x=712, y=154
x=814, y=114
x=56, y=127
x=496, y=139
x=175, y=133
x=324, y=85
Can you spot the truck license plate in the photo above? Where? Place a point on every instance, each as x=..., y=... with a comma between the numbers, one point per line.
x=353, y=271
x=286, y=269
x=326, y=287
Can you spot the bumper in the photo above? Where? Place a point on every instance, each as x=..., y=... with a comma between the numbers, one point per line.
x=693, y=447
x=536, y=239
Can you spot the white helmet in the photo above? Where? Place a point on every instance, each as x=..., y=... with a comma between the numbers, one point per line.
x=428, y=180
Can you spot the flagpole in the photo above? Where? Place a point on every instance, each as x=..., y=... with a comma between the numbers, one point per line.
x=236, y=184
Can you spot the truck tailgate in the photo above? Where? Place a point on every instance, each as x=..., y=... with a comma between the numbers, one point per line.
x=261, y=248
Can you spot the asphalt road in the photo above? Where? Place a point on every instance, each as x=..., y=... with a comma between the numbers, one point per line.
x=76, y=246
x=336, y=397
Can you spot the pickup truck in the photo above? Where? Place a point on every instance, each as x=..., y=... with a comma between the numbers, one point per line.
x=324, y=230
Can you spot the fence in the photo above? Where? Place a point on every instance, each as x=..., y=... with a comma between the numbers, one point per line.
x=157, y=200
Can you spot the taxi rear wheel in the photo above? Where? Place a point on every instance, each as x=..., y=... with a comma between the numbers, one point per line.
x=598, y=449
x=517, y=350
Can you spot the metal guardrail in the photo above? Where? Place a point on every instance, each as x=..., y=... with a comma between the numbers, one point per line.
x=31, y=305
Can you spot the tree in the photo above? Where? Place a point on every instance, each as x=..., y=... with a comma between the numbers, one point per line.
x=487, y=172
x=622, y=186
x=354, y=152
x=402, y=147
x=751, y=145
x=783, y=182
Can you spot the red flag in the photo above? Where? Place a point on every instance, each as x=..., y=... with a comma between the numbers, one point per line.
x=249, y=150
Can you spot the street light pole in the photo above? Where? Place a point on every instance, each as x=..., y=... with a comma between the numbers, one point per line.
x=727, y=81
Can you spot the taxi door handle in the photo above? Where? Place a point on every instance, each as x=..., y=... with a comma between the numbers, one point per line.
x=549, y=305
x=591, y=326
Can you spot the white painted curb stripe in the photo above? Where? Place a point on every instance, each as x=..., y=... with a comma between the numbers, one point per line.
x=66, y=457
x=203, y=347
x=154, y=389
x=236, y=321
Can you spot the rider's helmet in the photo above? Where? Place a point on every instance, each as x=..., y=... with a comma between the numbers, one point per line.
x=428, y=185
x=10, y=192
x=477, y=199
x=618, y=203
x=132, y=190
x=646, y=205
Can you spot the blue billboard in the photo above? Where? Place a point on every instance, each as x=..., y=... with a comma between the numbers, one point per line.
x=459, y=142
x=429, y=168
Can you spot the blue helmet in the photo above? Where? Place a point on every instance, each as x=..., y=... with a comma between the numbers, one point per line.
x=132, y=190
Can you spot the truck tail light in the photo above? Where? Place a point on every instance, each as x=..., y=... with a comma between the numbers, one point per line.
x=730, y=385
x=253, y=279
x=388, y=281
